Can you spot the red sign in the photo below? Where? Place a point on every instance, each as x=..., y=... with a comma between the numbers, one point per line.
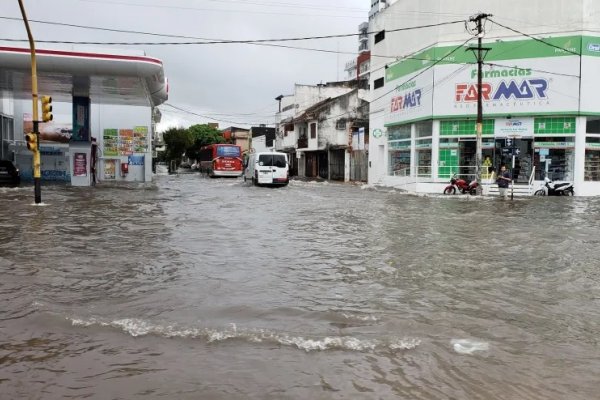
x=80, y=164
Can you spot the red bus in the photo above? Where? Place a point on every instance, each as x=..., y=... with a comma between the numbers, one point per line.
x=221, y=160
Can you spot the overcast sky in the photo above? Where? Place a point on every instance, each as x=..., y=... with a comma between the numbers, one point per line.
x=226, y=81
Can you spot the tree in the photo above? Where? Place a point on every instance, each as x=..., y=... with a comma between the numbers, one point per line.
x=202, y=135
x=177, y=141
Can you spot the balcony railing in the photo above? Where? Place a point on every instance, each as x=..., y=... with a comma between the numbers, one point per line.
x=303, y=143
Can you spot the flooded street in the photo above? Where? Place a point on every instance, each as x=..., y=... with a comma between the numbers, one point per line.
x=194, y=288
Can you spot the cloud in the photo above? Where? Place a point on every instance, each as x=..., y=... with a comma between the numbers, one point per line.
x=234, y=79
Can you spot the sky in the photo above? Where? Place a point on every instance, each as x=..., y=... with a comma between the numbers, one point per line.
x=235, y=84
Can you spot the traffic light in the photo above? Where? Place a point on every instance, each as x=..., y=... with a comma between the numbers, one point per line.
x=47, y=108
x=31, y=139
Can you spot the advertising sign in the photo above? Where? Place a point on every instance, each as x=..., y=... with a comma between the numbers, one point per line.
x=521, y=127
x=110, y=169
x=81, y=119
x=519, y=89
x=590, y=65
x=80, y=164
x=110, y=141
x=58, y=130
x=140, y=139
x=412, y=98
x=136, y=160
x=126, y=142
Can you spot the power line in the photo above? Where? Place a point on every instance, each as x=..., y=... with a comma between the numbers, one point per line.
x=534, y=38
x=206, y=42
x=397, y=58
x=535, y=70
x=213, y=119
x=408, y=80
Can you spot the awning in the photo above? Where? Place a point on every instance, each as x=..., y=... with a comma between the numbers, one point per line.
x=129, y=78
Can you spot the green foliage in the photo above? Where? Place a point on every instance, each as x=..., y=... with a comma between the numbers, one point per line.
x=202, y=135
x=177, y=141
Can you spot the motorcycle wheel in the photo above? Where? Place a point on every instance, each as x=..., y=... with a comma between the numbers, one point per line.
x=450, y=190
x=540, y=192
x=473, y=192
x=569, y=193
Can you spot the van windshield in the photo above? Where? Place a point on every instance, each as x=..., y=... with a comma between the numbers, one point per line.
x=272, y=160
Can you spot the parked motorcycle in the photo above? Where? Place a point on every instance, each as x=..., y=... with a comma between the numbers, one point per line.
x=555, y=188
x=462, y=186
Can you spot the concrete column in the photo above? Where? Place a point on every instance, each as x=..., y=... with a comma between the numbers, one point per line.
x=413, y=151
x=579, y=168
x=435, y=149
x=347, y=156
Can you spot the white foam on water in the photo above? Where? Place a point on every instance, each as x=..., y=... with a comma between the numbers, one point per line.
x=40, y=204
x=360, y=317
x=136, y=327
x=468, y=346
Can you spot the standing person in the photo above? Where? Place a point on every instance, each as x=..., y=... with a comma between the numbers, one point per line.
x=503, y=181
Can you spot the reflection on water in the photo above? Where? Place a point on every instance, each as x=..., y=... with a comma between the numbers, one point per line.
x=199, y=288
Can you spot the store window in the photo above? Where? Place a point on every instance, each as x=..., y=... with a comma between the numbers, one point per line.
x=448, y=158
x=399, y=144
x=593, y=126
x=554, y=157
x=592, y=158
x=423, y=157
x=399, y=132
x=423, y=129
x=399, y=158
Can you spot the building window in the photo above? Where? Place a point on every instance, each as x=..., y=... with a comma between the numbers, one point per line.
x=593, y=126
x=288, y=128
x=399, y=132
x=592, y=158
x=378, y=83
x=399, y=156
x=379, y=36
x=313, y=130
x=424, y=129
x=554, y=157
x=340, y=124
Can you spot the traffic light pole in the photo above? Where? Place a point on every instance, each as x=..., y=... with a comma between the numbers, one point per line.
x=37, y=176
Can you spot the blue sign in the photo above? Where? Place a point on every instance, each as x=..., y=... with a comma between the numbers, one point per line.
x=528, y=89
x=135, y=160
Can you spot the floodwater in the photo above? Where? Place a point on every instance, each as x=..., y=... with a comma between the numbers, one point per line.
x=192, y=288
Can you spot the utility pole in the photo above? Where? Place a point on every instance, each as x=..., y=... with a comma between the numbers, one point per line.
x=33, y=139
x=481, y=53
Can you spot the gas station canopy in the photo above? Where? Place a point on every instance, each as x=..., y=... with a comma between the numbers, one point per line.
x=121, y=78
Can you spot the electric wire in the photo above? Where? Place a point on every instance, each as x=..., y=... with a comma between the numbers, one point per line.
x=211, y=118
x=534, y=38
x=208, y=42
x=407, y=81
x=532, y=69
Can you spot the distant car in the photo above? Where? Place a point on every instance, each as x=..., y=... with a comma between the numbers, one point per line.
x=9, y=174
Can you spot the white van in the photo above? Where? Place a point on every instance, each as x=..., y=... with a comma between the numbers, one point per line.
x=267, y=168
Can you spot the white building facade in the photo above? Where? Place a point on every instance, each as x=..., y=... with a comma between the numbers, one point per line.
x=539, y=98
x=324, y=129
